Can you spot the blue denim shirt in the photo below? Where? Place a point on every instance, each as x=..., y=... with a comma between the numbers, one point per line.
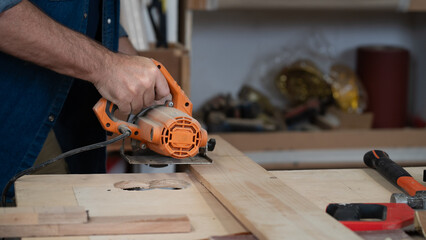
x=32, y=97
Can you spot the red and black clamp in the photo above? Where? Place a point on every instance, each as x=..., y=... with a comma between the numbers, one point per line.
x=372, y=216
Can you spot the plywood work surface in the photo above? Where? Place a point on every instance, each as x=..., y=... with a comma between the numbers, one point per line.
x=326, y=186
x=269, y=204
x=97, y=194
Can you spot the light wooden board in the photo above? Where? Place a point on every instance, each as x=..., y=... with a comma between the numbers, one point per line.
x=112, y=225
x=97, y=194
x=269, y=208
x=42, y=215
x=342, y=185
x=420, y=222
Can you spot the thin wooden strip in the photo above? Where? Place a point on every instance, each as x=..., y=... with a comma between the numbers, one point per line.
x=114, y=225
x=18, y=218
x=420, y=222
x=42, y=215
x=265, y=205
x=62, y=215
x=197, y=4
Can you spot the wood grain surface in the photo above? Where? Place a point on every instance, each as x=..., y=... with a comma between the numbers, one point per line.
x=342, y=185
x=268, y=207
x=270, y=204
x=420, y=222
x=96, y=192
x=42, y=215
x=112, y=225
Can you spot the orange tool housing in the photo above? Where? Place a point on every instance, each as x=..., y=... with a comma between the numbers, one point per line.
x=169, y=131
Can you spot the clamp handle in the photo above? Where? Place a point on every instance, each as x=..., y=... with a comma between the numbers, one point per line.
x=394, y=173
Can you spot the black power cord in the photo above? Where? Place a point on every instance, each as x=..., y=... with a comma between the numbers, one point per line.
x=123, y=129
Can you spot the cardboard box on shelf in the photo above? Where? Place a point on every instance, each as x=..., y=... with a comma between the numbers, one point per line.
x=336, y=119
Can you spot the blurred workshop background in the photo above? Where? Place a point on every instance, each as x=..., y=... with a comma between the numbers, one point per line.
x=294, y=84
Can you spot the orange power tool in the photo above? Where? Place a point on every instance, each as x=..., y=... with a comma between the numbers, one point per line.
x=169, y=130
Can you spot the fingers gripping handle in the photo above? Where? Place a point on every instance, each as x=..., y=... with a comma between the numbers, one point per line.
x=104, y=110
x=394, y=173
x=179, y=98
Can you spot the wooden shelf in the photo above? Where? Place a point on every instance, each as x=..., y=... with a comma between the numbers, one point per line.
x=417, y=6
x=382, y=5
x=329, y=149
x=342, y=139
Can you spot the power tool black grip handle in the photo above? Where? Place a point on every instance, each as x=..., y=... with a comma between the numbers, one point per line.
x=380, y=161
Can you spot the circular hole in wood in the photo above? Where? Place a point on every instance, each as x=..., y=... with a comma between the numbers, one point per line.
x=166, y=184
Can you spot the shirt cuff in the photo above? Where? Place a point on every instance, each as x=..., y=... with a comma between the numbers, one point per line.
x=122, y=32
x=6, y=4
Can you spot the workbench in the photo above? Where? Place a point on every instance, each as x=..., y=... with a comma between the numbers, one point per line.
x=209, y=216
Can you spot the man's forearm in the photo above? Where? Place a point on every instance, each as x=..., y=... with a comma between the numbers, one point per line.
x=29, y=34
x=131, y=82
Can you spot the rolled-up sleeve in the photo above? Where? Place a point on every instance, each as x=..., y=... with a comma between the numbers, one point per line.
x=6, y=4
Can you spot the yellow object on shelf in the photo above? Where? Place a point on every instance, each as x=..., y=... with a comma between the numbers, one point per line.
x=346, y=88
x=303, y=80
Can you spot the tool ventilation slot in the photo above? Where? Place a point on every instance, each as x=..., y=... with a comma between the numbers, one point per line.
x=165, y=134
x=182, y=138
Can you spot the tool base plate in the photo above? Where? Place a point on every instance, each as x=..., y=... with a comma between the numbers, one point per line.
x=156, y=159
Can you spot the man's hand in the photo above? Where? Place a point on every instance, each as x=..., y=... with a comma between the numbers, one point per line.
x=132, y=83
x=128, y=81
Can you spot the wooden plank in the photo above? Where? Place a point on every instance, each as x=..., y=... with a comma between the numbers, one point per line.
x=326, y=139
x=327, y=186
x=96, y=192
x=323, y=187
x=385, y=235
x=420, y=222
x=417, y=6
x=42, y=215
x=113, y=225
x=197, y=4
x=265, y=205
